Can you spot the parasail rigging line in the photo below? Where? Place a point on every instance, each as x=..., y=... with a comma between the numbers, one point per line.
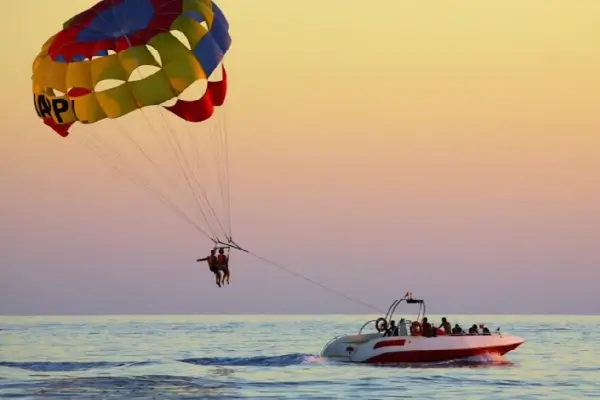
x=280, y=266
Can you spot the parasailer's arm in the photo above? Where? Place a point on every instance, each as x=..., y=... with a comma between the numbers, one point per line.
x=202, y=259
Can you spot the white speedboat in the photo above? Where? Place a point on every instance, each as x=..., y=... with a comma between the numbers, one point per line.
x=412, y=344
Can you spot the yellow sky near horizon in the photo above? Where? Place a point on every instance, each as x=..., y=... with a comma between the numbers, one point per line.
x=445, y=69
x=399, y=113
x=400, y=65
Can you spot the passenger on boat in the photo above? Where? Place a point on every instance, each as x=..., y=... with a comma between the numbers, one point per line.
x=427, y=329
x=485, y=331
x=457, y=330
x=473, y=330
x=402, y=331
x=392, y=330
x=446, y=326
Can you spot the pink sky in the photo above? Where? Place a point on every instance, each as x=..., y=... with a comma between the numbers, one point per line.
x=459, y=162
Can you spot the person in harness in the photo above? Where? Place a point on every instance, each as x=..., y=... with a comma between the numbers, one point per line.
x=212, y=262
x=223, y=265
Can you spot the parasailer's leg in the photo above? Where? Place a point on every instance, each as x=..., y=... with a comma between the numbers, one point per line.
x=218, y=278
x=226, y=274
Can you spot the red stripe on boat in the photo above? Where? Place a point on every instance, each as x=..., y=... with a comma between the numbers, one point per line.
x=387, y=343
x=438, y=355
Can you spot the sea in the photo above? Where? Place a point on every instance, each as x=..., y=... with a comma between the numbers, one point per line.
x=277, y=357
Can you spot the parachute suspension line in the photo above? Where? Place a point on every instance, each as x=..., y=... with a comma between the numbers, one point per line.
x=187, y=218
x=220, y=156
x=182, y=164
x=152, y=127
x=198, y=167
x=142, y=183
x=224, y=181
x=196, y=180
x=186, y=172
x=195, y=145
x=233, y=245
x=154, y=190
x=227, y=176
x=145, y=183
x=227, y=233
x=219, y=138
x=189, y=172
x=214, y=133
x=129, y=136
x=172, y=139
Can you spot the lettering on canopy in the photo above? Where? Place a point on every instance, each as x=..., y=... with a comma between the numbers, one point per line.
x=60, y=109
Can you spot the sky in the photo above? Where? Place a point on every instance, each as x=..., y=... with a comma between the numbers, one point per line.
x=448, y=148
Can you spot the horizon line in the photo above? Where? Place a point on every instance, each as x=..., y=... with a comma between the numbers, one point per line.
x=284, y=314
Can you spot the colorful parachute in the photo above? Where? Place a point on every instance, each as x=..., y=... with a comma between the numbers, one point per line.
x=74, y=60
x=184, y=41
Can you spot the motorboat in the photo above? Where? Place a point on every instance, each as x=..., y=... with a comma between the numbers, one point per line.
x=411, y=344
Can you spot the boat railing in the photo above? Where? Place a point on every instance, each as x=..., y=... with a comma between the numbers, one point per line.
x=365, y=325
x=331, y=341
x=408, y=300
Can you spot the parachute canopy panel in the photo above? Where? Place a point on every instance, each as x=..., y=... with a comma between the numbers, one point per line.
x=111, y=41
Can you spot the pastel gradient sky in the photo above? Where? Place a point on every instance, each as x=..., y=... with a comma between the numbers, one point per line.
x=450, y=148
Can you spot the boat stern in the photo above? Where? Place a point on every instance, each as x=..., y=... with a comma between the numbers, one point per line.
x=341, y=348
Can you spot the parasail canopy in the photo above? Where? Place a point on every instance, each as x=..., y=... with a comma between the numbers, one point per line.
x=114, y=38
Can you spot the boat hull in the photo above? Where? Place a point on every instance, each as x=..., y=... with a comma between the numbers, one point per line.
x=375, y=349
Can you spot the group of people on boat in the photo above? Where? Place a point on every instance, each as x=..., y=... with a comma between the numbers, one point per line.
x=426, y=329
x=218, y=265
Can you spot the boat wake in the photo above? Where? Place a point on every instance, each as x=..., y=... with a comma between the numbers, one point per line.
x=257, y=361
x=215, y=378
x=66, y=366
x=284, y=360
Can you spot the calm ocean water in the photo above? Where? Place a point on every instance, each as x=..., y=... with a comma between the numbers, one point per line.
x=260, y=357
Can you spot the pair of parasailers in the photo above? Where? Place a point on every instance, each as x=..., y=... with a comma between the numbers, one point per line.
x=218, y=265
